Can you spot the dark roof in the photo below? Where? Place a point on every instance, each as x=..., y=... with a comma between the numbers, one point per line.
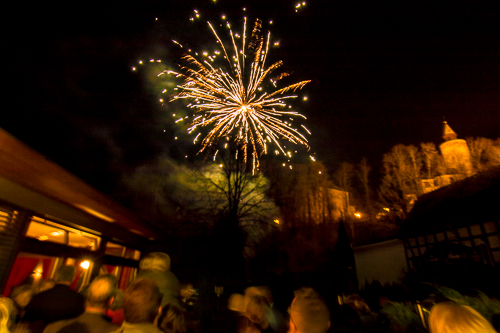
x=31, y=181
x=472, y=200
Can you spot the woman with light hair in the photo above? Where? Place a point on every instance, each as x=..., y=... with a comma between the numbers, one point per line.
x=7, y=310
x=155, y=262
x=21, y=295
x=448, y=317
x=255, y=319
x=156, y=266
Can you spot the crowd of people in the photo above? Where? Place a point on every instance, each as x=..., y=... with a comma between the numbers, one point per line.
x=150, y=304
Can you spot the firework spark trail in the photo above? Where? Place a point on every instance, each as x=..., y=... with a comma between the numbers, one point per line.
x=233, y=109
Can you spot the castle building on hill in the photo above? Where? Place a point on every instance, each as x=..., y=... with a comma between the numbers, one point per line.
x=457, y=162
x=455, y=153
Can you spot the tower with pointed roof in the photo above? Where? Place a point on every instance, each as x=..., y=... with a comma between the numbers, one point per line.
x=455, y=153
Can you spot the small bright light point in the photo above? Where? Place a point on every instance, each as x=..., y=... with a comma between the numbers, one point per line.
x=320, y=172
x=156, y=19
x=161, y=100
x=220, y=165
x=303, y=4
x=223, y=17
x=197, y=15
x=140, y=62
x=284, y=164
x=186, y=156
x=175, y=138
x=191, y=18
x=164, y=131
x=270, y=22
x=358, y=215
x=164, y=91
x=277, y=221
x=196, y=138
x=305, y=98
x=85, y=264
x=133, y=68
x=244, y=9
x=151, y=60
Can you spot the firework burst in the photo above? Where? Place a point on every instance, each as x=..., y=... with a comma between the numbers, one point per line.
x=234, y=104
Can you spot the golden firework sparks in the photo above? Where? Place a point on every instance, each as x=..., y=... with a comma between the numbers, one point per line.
x=234, y=103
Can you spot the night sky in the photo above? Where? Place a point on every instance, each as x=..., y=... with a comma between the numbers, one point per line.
x=383, y=72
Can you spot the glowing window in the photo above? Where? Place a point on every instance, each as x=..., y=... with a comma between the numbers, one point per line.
x=118, y=250
x=115, y=249
x=132, y=254
x=45, y=230
x=47, y=233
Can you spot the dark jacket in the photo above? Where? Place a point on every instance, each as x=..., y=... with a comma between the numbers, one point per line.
x=84, y=323
x=57, y=303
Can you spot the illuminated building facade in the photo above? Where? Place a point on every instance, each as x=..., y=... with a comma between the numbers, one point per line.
x=456, y=159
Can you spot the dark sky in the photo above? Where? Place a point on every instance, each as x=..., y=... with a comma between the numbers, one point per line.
x=383, y=72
